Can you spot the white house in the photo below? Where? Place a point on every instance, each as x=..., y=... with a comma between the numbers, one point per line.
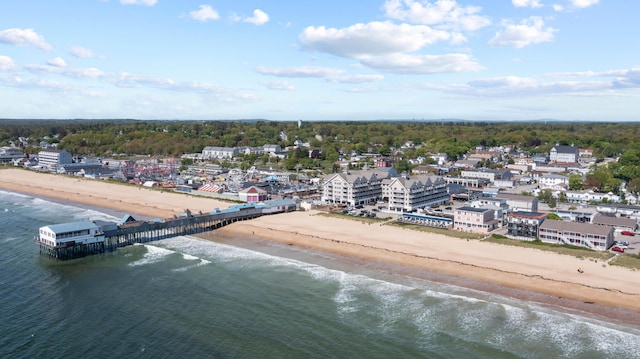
x=552, y=180
x=211, y=152
x=564, y=154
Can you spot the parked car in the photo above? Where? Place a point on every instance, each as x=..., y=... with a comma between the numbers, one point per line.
x=627, y=233
x=617, y=249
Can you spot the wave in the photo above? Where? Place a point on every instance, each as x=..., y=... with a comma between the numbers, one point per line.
x=434, y=310
x=48, y=209
x=152, y=255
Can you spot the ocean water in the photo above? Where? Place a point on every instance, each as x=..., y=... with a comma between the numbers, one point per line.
x=186, y=297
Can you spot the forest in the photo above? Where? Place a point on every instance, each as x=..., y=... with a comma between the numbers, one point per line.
x=114, y=138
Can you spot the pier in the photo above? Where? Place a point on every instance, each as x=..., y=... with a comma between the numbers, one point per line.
x=79, y=239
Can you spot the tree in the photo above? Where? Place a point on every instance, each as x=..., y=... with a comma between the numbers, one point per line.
x=546, y=196
x=575, y=182
x=634, y=185
x=554, y=217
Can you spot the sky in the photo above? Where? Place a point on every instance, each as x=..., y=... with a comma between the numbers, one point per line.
x=329, y=60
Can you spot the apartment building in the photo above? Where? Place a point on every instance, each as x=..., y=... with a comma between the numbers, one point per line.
x=588, y=235
x=408, y=194
x=474, y=219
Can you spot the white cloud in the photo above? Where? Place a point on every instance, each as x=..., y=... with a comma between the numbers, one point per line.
x=557, y=7
x=515, y=86
x=81, y=52
x=6, y=63
x=585, y=83
x=357, y=79
x=329, y=74
x=442, y=13
x=23, y=37
x=527, y=3
x=139, y=2
x=301, y=71
x=279, y=85
x=583, y=3
x=79, y=73
x=57, y=62
x=529, y=31
x=205, y=13
x=421, y=64
x=259, y=18
x=374, y=38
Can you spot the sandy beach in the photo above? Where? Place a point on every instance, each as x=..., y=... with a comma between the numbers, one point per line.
x=548, y=274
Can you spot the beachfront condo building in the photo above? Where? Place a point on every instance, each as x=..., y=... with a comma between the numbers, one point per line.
x=524, y=225
x=475, y=219
x=588, y=235
x=409, y=194
x=52, y=159
x=359, y=187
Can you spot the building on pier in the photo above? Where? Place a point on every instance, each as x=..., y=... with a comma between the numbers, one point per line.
x=79, y=239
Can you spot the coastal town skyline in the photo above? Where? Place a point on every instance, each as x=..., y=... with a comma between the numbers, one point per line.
x=518, y=60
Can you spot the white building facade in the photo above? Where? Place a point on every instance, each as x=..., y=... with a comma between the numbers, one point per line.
x=83, y=232
x=588, y=235
x=418, y=192
x=353, y=189
x=52, y=159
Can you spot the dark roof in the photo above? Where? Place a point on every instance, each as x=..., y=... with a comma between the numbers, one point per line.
x=576, y=227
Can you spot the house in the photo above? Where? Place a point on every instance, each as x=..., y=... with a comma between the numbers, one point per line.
x=474, y=219
x=253, y=194
x=564, y=154
x=315, y=153
x=524, y=225
x=440, y=158
x=588, y=235
x=409, y=194
x=272, y=150
x=211, y=152
x=619, y=210
x=10, y=154
x=491, y=175
x=618, y=223
x=468, y=163
x=552, y=180
x=592, y=196
x=540, y=158
x=518, y=202
x=383, y=162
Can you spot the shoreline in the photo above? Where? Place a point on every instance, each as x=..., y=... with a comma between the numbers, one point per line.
x=522, y=273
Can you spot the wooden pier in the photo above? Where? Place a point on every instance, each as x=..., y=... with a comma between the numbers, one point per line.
x=112, y=236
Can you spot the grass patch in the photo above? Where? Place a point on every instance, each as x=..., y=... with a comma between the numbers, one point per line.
x=630, y=261
x=575, y=251
x=444, y=232
x=353, y=218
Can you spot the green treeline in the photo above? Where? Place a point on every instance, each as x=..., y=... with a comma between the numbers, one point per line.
x=107, y=138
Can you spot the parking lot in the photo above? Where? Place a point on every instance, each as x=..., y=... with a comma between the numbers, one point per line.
x=634, y=242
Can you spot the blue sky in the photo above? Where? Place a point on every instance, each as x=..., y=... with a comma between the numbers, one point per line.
x=320, y=60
